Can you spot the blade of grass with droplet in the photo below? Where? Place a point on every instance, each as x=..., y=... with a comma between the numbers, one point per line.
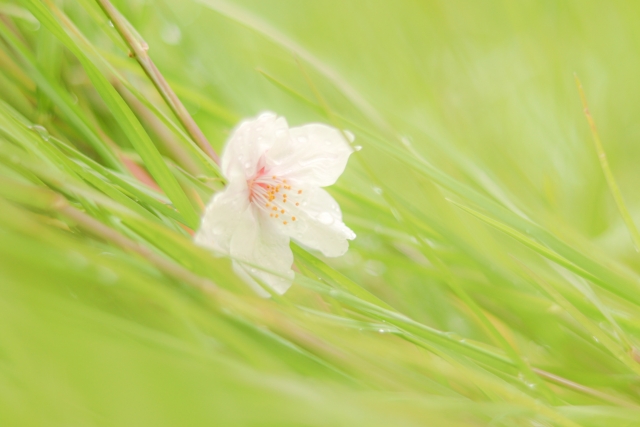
x=63, y=101
x=604, y=339
x=551, y=255
x=129, y=123
x=188, y=144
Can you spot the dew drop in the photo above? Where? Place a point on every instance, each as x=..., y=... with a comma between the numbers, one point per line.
x=77, y=259
x=357, y=147
x=325, y=218
x=171, y=34
x=350, y=136
x=374, y=267
x=110, y=24
x=377, y=190
x=107, y=276
x=42, y=131
x=453, y=336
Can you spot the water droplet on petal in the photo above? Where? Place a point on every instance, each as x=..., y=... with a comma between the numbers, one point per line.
x=378, y=190
x=357, y=147
x=325, y=218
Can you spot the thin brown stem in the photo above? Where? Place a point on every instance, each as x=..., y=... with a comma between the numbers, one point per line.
x=584, y=389
x=139, y=51
x=173, y=146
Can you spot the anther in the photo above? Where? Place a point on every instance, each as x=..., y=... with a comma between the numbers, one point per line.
x=282, y=211
x=299, y=191
x=274, y=177
x=277, y=215
x=284, y=222
x=275, y=208
x=297, y=204
x=293, y=218
x=267, y=205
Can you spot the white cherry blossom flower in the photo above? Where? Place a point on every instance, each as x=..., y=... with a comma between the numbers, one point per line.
x=274, y=194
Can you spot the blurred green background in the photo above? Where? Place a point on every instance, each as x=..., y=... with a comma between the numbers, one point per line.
x=493, y=280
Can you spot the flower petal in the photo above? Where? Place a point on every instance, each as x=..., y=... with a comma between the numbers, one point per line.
x=315, y=154
x=258, y=242
x=222, y=216
x=249, y=141
x=319, y=224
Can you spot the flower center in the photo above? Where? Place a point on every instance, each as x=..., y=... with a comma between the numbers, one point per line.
x=274, y=195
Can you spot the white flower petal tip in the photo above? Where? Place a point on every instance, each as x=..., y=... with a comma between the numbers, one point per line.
x=275, y=174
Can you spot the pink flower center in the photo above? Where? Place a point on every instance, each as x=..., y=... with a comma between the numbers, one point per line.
x=274, y=195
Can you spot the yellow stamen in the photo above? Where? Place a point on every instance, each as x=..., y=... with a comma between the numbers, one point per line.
x=299, y=191
x=282, y=211
x=293, y=218
x=297, y=204
x=284, y=222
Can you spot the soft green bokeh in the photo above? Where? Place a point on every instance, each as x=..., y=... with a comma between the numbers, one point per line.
x=493, y=280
